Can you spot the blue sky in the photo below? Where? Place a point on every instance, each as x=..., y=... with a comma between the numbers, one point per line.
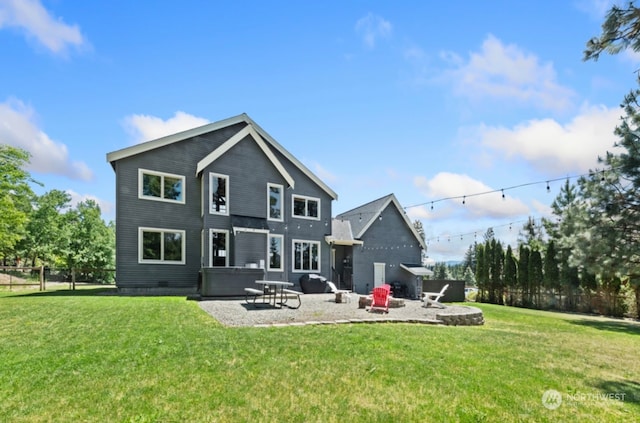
x=426, y=100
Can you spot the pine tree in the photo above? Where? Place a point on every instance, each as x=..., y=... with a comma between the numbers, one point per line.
x=617, y=199
x=510, y=274
x=535, y=275
x=481, y=272
x=523, y=275
x=551, y=270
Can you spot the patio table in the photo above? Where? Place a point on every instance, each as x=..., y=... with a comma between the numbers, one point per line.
x=275, y=287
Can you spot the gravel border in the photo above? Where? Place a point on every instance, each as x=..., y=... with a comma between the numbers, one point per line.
x=322, y=309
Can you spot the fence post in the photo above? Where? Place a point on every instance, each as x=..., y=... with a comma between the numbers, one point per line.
x=42, y=286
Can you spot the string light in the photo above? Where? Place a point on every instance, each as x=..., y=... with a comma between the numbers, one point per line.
x=464, y=197
x=475, y=233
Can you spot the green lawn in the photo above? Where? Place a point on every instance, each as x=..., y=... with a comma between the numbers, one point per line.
x=78, y=356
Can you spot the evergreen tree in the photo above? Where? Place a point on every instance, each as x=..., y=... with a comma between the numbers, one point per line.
x=523, y=275
x=510, y=274
x=617, y=198
x=469, y=277
x=489, y=235
x=535, y=275
x=531, y=234
x=551, y=269
x=497, y=269
x=569, y=211
x=470, y=258
x=488, y=266
x=481, y=273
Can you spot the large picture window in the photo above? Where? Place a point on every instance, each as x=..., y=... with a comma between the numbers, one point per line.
x=218, y=194
x=275, y=252
x=160, y=186
x=219, y=252
x=274, y=193
x=163, y=246
x=307, y=207
x=306, y=256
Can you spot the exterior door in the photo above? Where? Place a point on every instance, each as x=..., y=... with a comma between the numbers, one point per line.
x=378, y=274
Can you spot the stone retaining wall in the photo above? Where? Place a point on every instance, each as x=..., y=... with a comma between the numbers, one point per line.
x=473, y=317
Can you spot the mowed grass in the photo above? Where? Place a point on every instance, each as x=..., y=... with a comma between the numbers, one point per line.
x=80, y=356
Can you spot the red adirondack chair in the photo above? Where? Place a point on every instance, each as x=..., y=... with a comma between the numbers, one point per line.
x=380, y=298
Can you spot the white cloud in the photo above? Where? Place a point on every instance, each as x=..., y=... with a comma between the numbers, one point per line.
x=554, y=148
x=17, y=128
x=145, y=127
x=371, y=28
x=106, y=207
x=37, y=22
x=453, y=187
x=503, y=71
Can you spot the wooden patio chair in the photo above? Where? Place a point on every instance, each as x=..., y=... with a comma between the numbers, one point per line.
x=342, y=293
x=433, y=298
x=380, y=298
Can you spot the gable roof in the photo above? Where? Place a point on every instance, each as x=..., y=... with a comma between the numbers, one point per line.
x=194, y=132
x=361, y=218
x=235, y=139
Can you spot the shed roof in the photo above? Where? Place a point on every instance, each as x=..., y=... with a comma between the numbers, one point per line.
x=341, y=233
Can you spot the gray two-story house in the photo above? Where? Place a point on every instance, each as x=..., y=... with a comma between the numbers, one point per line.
x=376, y=243
x=219, y=205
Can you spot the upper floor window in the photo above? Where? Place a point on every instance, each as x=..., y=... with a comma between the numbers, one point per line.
x=160, y=186
x=163, y=246
x=307, y=207
x=218, y=193
x=274, y=193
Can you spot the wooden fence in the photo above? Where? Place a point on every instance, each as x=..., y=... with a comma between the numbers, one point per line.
x=12, y=276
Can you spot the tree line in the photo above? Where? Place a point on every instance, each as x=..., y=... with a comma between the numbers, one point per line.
x=588, y=253
x=46, y=230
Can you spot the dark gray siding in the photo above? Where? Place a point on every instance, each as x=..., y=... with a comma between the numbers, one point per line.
x=388, y=241
x=133, y=213
x=249, y=171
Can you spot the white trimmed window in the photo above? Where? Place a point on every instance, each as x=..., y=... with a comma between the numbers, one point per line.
x=161, y=186
x=275, y=252
x=306, y=207
x=218, y=194
x=161, y=246
x=306, y=256
x=219, y=248
x=275, y=206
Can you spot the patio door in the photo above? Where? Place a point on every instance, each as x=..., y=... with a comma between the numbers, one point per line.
x=378, y=274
